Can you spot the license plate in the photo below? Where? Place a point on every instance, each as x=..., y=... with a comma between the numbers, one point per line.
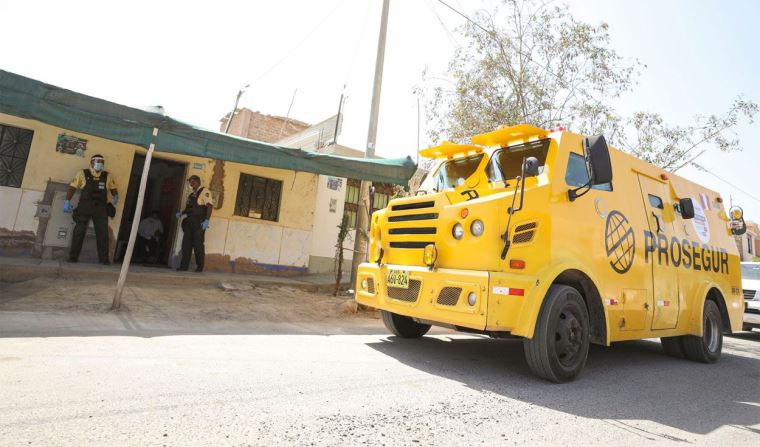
x=398, y=279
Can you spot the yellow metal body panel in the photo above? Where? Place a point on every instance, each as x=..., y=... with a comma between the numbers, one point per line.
x=651, y=269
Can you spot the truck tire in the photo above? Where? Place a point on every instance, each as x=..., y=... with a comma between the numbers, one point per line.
x=673, y=346
x=559, y=347
x=402, y=326
x=707, y=348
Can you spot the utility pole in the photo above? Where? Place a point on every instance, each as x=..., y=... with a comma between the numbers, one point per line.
x=362, y=218
x=234, y=109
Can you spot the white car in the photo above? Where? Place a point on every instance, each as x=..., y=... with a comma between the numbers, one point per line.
x=751, y=289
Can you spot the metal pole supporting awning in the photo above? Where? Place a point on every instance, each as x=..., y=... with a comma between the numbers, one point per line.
x=135, y=224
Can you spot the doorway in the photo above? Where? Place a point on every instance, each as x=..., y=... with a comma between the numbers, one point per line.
x=163, y=192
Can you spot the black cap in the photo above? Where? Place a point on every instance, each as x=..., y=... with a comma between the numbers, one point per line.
x=194, y=177
x=97, y=156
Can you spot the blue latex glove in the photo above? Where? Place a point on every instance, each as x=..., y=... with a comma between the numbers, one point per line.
x=179, y=215
x=114, y=199
x=67, y=208
x=204, y=224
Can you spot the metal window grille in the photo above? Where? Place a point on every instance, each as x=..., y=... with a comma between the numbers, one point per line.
x=380, y=201
x=15, y=144
x=258, y=197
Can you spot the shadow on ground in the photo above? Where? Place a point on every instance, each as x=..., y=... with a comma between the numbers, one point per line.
x=625, y=382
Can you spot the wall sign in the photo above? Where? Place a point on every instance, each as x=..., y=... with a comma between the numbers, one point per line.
x=334, y=183
x=71, y=145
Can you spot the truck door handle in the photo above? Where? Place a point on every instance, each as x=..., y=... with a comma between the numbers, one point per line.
x=657, y=219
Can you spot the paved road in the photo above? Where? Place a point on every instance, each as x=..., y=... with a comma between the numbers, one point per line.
x=290, y=389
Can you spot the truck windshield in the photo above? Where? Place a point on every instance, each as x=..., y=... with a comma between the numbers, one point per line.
x=751, y=271
x=454, y=172
x=506, y=163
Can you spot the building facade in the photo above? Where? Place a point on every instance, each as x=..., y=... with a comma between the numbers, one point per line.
x=749, y=243
x=262, y=221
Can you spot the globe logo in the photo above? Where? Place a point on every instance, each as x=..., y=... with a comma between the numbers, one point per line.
x=619, y=241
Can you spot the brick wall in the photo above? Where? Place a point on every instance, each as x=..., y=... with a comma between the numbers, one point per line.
x=257, y=126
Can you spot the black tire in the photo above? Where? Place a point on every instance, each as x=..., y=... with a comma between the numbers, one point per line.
x=673, y=346
x=402, y=326
x=559, y=347
x=707, y=348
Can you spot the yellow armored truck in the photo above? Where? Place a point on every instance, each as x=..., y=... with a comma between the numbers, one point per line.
x=560, y=240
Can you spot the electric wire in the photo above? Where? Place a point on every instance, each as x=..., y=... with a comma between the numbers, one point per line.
x=449, y=34
x=730, y=184
x=290, y=52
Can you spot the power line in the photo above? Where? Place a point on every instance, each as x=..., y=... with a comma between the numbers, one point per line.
x=463, y=16
x=449, y=34
x=304, y=39
x=731, y=184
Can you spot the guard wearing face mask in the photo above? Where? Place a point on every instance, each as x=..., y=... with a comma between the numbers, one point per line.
x=95, y=184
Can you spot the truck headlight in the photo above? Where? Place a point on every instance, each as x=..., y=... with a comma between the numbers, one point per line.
x=476, y=227
x=429, y=255
x=458, y=231
x=375, y=252
x=472, y=298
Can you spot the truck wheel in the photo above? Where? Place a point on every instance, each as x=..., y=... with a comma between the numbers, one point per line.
x=706, y=349
x=673, y=346
x=402, y=326
x=559, y=347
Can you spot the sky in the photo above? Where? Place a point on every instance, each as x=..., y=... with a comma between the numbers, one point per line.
x=193, y=57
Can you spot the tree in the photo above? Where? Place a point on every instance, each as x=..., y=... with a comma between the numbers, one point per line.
x=533, y=62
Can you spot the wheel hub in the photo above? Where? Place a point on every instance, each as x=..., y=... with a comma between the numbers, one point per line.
x=568, y=337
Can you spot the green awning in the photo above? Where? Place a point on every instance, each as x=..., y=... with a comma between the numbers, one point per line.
x=28, y=98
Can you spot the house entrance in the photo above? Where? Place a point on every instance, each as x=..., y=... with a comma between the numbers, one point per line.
x=158, y=223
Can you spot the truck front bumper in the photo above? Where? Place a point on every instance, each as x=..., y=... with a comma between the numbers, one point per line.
x=442, y=296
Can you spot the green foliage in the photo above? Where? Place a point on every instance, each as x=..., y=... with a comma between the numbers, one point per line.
x=533, y=62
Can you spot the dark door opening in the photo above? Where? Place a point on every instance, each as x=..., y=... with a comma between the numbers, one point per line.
x=162, y=197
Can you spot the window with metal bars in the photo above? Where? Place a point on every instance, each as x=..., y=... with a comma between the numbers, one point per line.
x=351, y=206
x=14, y=152
x=258, y=197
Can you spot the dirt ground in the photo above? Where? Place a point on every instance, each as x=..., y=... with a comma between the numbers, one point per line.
x=228, y=307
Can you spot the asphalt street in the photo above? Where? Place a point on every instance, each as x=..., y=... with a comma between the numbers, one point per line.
x=293, y=389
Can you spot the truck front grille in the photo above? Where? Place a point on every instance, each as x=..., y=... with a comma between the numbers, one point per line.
x=407, y=220
x=449, y=296
x=409, y=295
x=749, y=294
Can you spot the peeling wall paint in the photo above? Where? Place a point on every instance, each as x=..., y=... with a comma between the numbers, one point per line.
x=16, y=243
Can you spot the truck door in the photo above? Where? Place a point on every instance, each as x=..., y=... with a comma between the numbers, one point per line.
x=659, y=253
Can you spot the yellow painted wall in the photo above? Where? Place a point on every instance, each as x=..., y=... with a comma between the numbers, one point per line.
x=45, y=164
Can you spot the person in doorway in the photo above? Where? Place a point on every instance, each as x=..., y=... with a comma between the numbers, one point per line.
x=95, y=183
x=149, y=231
x=197, y=213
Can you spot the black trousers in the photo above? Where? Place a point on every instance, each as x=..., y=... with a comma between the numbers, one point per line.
x=192, y=240
x=82, y=216
x=147, y=248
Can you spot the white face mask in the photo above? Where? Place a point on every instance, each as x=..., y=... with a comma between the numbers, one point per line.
x=98, y=166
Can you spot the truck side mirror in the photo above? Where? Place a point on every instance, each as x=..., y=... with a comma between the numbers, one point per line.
x=598, y=156
x=687, y=208
x=530, y=168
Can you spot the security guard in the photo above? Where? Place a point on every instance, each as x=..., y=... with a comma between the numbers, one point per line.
x=95, y=184
x=197, y=213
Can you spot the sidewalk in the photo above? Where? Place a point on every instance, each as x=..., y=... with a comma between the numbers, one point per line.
x=22, y=269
